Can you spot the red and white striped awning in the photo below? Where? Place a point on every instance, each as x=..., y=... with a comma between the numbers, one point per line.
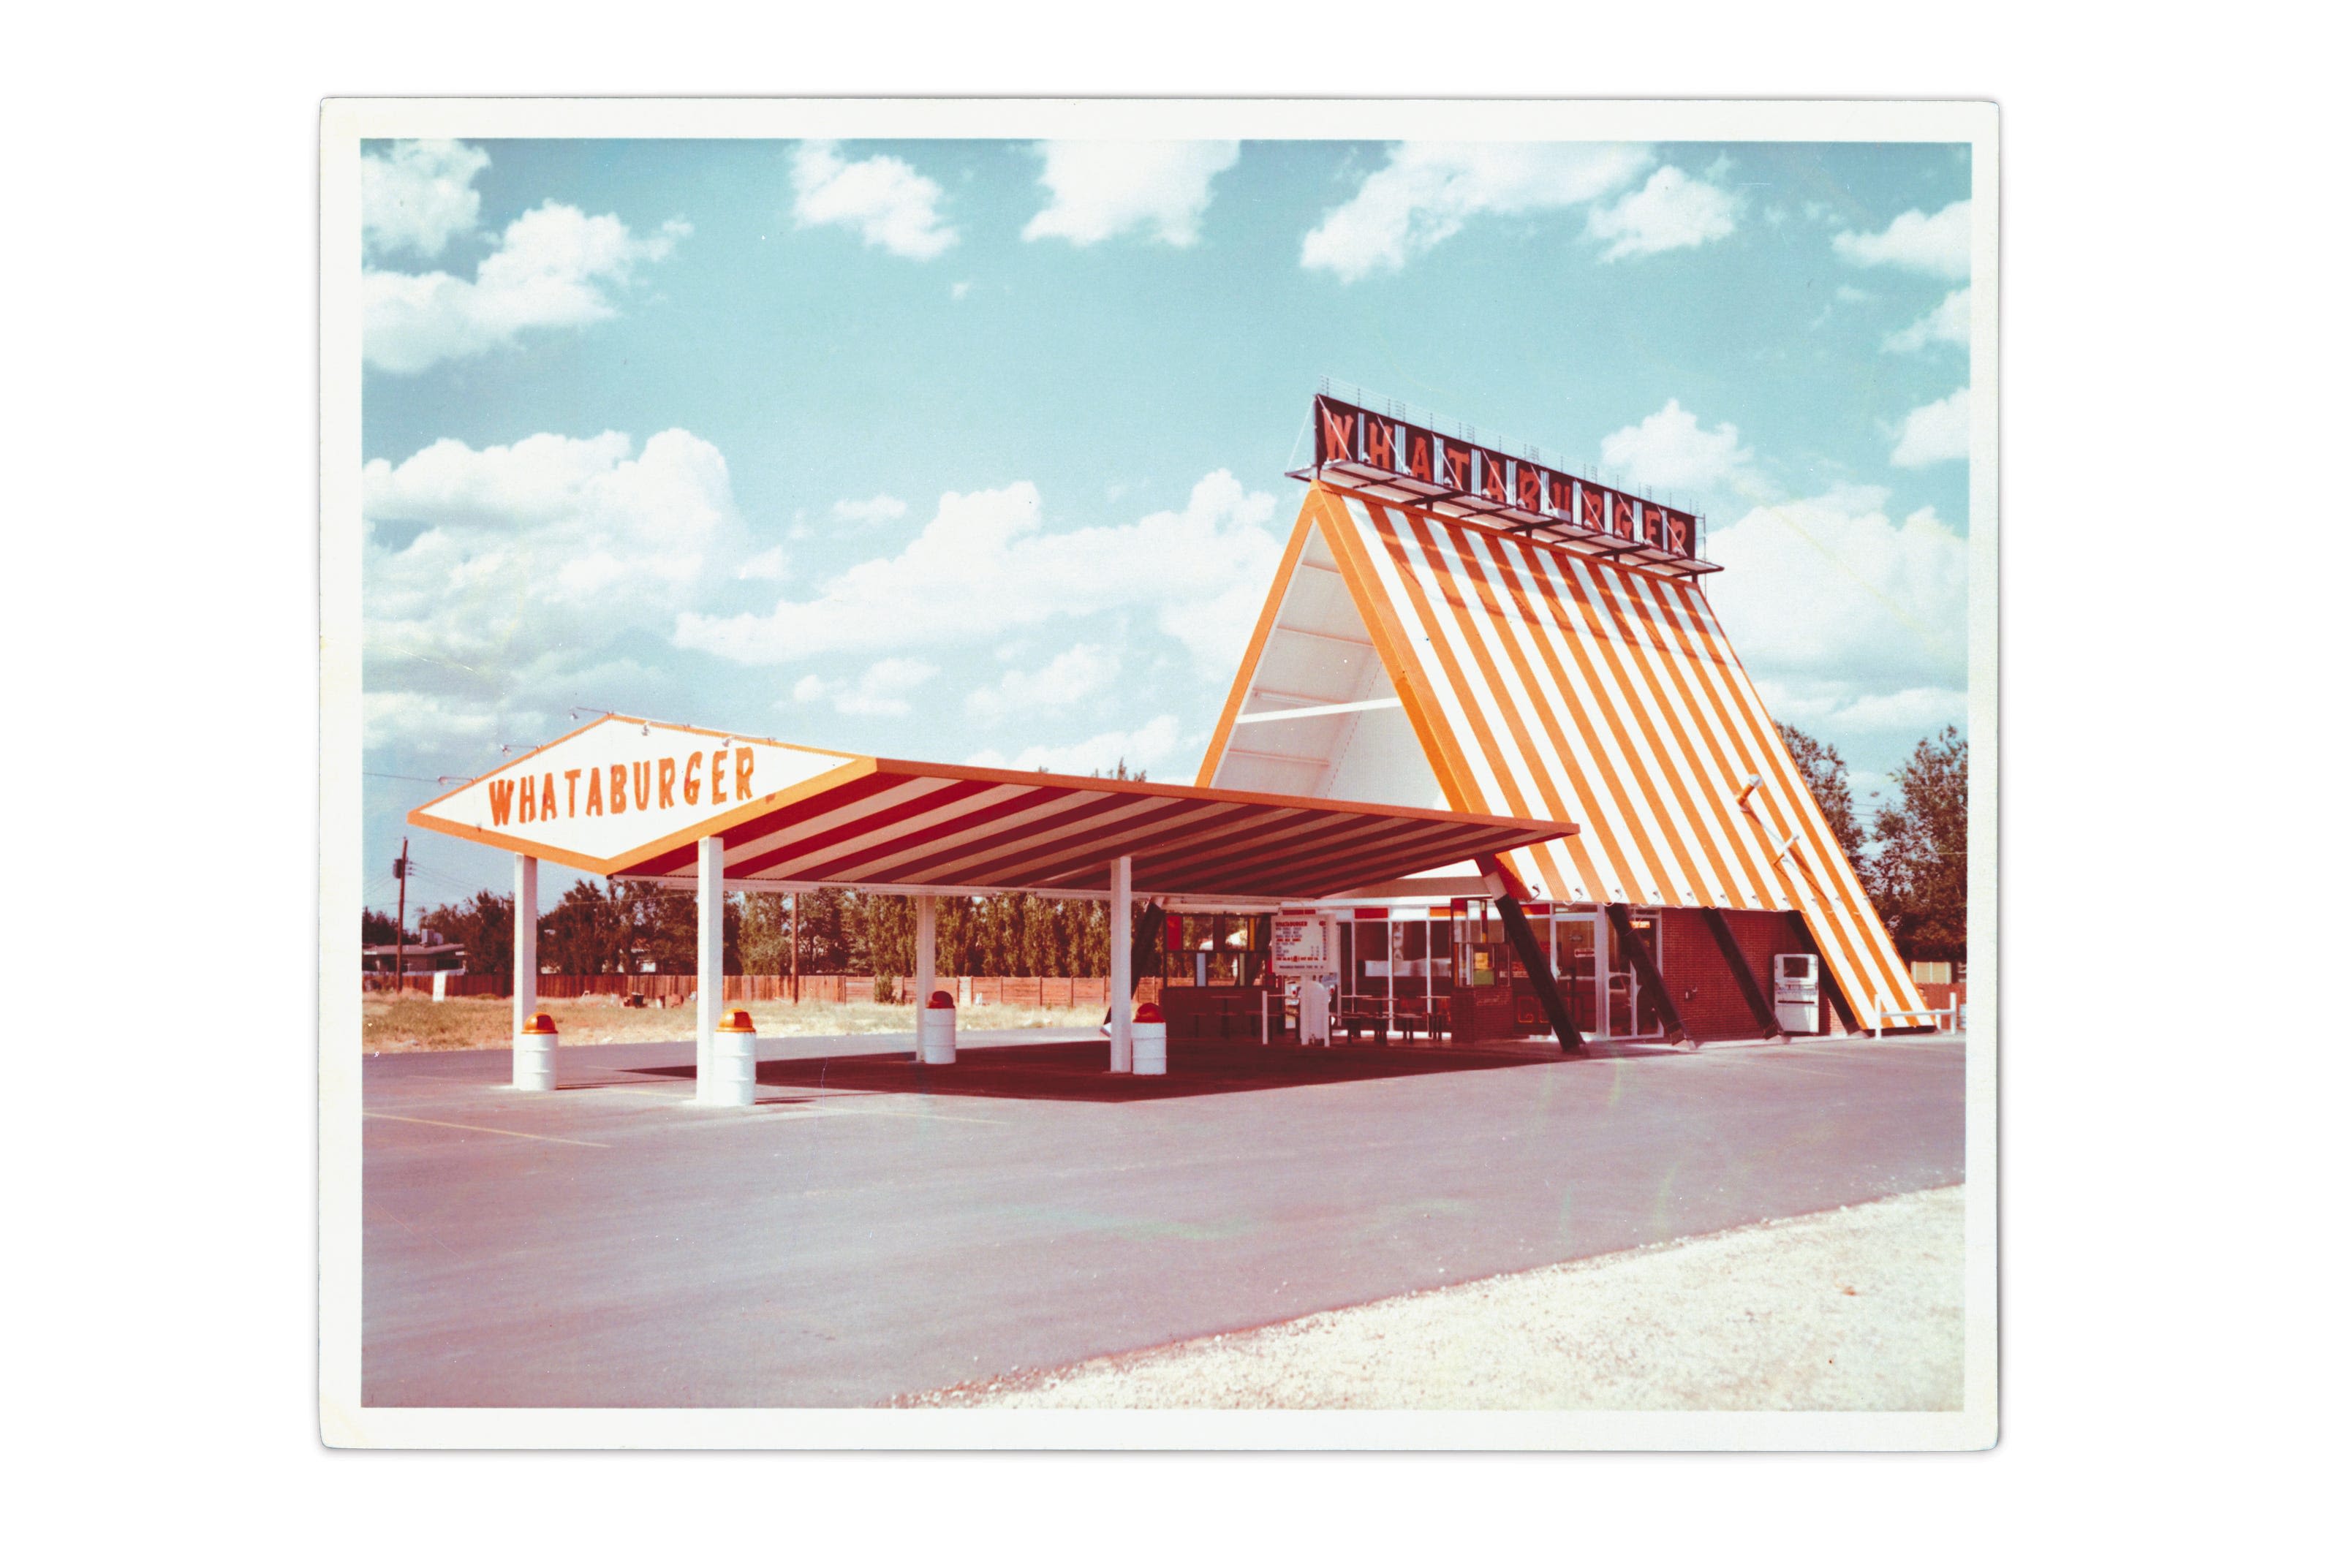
x=921, y=827
x=635, y=798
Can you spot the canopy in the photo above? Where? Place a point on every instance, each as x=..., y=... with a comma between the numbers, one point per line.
x=794, y=816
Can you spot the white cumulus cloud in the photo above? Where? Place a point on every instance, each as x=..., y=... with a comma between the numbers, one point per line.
x=1427, y=191
x=520, y=574
x=1937, y=246
x=1946, y=323
x=986, y=564
x=1837, y=602
x=1672, y=212
x=1101, y=189
x=1670, y=451
x=873, y=509
x=1070, y=677
x=1934, y=433
x=881, y=197
x=1149, y=746
x=553, y=267
x=881, y=692
x=418, y=195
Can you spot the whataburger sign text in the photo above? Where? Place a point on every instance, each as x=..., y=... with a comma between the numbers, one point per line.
x=1444, y=465
x=619, y=789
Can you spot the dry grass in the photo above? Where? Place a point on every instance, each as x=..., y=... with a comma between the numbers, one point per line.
x=475, y=1023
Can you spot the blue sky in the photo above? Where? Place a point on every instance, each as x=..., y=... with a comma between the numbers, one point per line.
x=974, y=450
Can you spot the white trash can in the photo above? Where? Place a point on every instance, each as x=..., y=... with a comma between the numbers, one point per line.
x=1150, y=1032
x=734, y=1062
x=535, y=1053
x=935, y=1026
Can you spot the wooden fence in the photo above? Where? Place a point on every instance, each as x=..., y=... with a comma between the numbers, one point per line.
x=672, y=990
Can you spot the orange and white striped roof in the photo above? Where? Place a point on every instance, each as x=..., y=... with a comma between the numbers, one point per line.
x=797, y=817
x=1540, y=681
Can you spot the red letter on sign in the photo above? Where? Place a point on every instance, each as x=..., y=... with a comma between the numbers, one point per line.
x=501, y=801
x=742, y=773
x=1496, y=487
x=1339, y=436
x=1625, y=519
x=668, y=779
x=718, y=776
x=1379, y=443
x=1417, y=461
x=641, y=774
x=596, y=792
x=693, y=777
x=620, y=787
x=1458, y=466
x=1530, y=487
x=1594, y=517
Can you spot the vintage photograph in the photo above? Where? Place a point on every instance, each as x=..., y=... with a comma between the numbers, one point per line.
x=1008, y=774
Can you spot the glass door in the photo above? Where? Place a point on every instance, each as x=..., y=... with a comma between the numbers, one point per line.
x=1575, y=938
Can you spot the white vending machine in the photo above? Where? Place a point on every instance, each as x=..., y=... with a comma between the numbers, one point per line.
x=1797, y=992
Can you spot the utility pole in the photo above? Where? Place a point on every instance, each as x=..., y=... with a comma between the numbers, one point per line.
x=400, y=924
x=796, y=949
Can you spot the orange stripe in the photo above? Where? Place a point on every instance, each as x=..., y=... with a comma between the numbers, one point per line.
x=1855, y=902
x=1616, y=589
x=1851, y=939
x=1527, y=681
x=1727, y=781
x=1583, y=786
x=1407, y=574
x=1422, y=707
x=1657, y=761
x=1247, y=674
x=1640, y=879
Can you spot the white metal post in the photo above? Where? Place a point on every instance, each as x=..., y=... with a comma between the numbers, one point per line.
x=710, y=958
x=1122, y=964
x=927, y=960
x=533, y=1069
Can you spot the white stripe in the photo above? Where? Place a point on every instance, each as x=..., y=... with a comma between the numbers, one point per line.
x=1650, y=878
x=1834, y=918
x=1723, y=788
x=1642, y=876
x=1697, y=884
x=860, y=844
x=1703, y=818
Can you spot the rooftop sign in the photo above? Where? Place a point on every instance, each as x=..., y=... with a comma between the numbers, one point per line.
x=1392, y=458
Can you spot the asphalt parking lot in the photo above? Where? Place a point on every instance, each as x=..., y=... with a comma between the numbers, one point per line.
x=872, y=1229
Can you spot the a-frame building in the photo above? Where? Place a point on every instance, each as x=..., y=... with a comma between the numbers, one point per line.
x=1413, y=657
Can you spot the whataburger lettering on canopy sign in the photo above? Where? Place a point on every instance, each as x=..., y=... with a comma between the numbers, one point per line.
x=658, y=786
x=605, y=791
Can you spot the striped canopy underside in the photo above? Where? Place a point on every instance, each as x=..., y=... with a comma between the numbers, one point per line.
x=908, y=825
x=1557, y=684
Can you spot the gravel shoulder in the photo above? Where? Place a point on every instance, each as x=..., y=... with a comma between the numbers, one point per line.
x=1854, y=1309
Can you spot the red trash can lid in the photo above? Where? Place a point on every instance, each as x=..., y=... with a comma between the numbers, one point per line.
x=942, y=999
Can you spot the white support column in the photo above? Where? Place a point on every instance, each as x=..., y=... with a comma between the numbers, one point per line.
x=1122, y=964
x=927, y=958
x=709, y=959
x=533, y=1065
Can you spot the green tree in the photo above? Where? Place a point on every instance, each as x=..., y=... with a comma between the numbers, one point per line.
x=766, y=934
x=1919, y=876
x=587, y=933
x=484, y=925
x=376, y=926
x=1823, y=771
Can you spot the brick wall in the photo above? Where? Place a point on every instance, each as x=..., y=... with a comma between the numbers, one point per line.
x=1693, y=960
